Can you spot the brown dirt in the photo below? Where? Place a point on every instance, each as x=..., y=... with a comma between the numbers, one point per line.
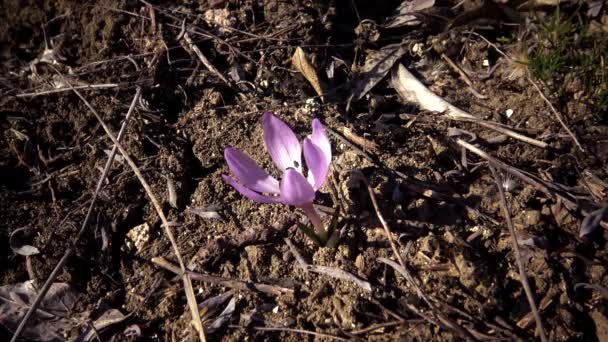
x=52, y=152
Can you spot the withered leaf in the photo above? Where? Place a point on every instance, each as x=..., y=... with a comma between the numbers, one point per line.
x=301, y=63
x=52, y=321
x=377, y=65
x=405, y=16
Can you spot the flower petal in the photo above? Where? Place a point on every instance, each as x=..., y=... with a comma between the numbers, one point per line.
x=249, y=173
x=281, y=143
x=320, y=139
x=252, y=195
x=295, y=189
x=318, y=165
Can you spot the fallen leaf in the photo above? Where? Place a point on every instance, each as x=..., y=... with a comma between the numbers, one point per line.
x=592, y=221
x=18, y=246
x=213, y=322
x=52, y=321
x=412, y=90
x=377, y=65
x=105, y=320
x=594, y=7
x=224, y=317
x=404, y=16
x=209, y=212
x=301, y=63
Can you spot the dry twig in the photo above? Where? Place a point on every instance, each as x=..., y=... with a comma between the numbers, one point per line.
x=518, y=258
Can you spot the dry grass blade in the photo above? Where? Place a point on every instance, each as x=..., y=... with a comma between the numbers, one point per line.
x=301, y=63
x=165, y=223
x=68, y=253
x=518, y=257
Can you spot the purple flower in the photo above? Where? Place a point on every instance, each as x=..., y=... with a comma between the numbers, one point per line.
x=286, y=152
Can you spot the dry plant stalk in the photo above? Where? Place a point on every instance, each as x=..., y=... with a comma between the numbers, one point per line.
x=165, y=223
x=558, y=115
x=518, y=258
x=70, y=251
x=405, y=273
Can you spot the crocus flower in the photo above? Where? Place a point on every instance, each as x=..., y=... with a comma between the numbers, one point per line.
x=285, y=150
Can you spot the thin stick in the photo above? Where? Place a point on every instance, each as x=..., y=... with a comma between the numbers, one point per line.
x=557, y=114
x=165, y=223
x=70, y=251
x=518, y=258
x=227, y=282
x=458, y=69
x=60, y=90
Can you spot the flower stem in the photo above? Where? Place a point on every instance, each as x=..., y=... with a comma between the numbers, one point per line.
x=315, y=219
